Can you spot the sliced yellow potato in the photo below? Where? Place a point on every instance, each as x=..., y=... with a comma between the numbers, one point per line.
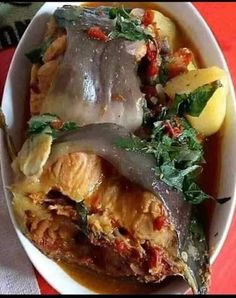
x=212, y=116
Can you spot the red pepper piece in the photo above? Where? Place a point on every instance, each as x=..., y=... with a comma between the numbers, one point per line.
x=173, y=132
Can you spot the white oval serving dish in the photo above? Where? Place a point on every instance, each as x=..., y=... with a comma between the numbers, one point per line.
x=13, y=105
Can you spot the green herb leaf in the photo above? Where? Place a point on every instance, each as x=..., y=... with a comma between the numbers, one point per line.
x=200, y=97
x=68, y=126
x=175, y=177
x=115, y=11
x=193, y=193
x=36, y=55
x=163, y=75
x=38, y=123
x=83, y=213
x=194, y=102
x=43, y=124
x=129, y=29
x=178, y=159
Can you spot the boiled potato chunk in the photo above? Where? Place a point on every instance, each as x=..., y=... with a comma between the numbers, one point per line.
x=167, y=28
x=164, y=25
x=191, y=80
x=212, y=116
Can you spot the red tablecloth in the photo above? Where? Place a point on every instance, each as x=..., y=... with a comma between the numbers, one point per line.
x=221, y=19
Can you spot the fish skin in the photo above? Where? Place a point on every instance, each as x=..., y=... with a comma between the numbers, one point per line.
x=139, y=168
x=97, y=81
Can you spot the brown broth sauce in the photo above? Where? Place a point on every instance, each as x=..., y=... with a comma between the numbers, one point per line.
x=103, y=284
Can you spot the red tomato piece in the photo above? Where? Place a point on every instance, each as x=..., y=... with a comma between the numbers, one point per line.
x=155, y=258
x=151, y=52
x=179, y=62
x=185, y=54
x=95, y=202
x=173, y=132
x=152, y=69
x=148, y=17
x=159, y=223
x=121, y=246
x=97, y=33
x=149, y=91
